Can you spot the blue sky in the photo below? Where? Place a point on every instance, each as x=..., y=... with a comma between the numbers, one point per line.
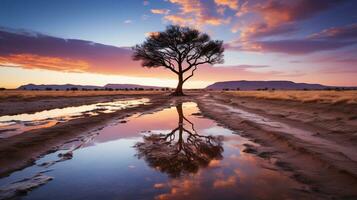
x=302, y=40
x=99, y=21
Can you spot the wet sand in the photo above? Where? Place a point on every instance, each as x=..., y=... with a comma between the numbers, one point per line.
x=313, y=143
x=22, y=150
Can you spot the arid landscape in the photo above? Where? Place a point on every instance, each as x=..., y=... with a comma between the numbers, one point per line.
x=306, y=137
x=178, y=100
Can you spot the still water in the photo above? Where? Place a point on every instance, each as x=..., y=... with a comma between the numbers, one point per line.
x=174, y=153
x=11, y=125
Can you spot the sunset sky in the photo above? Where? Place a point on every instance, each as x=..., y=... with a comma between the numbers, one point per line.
x=89, y=42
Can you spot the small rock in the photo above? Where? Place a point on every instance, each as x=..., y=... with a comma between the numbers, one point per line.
x=66, y=156
x=249, y=149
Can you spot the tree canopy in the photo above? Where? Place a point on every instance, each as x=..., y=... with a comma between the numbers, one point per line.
x=179, y=49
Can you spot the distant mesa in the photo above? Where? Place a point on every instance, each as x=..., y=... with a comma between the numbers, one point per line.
x=130, y=86
x=225, y=85
x=269, y=85
x=87, y=87
x=57, y=87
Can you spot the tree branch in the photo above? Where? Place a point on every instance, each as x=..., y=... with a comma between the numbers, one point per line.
x=195, y=67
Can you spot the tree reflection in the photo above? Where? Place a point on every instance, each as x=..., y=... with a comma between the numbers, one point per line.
x=180, y=151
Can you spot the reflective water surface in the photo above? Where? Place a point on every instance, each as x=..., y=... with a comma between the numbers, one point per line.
x=11, y=125
x=171, y=154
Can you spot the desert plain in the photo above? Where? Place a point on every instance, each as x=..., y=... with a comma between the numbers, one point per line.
x=309, y=137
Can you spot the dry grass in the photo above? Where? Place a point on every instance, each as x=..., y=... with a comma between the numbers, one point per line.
x=26, y=94
x=333, y=97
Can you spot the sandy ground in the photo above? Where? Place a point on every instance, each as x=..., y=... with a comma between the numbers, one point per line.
x=314, y=142
x=310, y=96
x=14, y=102
x=19, y=95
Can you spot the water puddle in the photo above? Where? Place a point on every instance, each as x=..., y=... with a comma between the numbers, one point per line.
x=174, y=153
x=11, y=125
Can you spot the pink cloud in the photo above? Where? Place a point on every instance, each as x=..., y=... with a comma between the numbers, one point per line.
x=297, y=47
x=232, y=4
x=45, y=52
x=348, y=32
x=195, y=13
x=160, y=11
x=276, y=17
x=326, y=40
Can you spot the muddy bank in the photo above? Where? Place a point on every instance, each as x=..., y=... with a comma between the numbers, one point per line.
x=12, y=106
x=22, y=150
x=333, y=121
x=311, y=149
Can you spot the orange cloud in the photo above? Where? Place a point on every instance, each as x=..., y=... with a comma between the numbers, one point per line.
x=195, y=13
x=51, y=53
x=57, y=54
x=160, y=11
x=31, y=61
x=189, y=6
x=217, y=21
x=177, y=19
x=232, y=4
x=148, y=34
x=196, y=22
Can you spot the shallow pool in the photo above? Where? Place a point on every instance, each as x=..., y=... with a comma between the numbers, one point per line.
x=11, y=125
x=174, y=153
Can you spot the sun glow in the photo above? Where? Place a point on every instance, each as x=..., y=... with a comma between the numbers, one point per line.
x=14, y=77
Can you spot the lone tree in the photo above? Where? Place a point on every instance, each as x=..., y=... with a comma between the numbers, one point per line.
x=181, y=50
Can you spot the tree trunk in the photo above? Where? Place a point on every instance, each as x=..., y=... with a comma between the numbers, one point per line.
x=180, y=113
x=180, y=125
x=178, y=91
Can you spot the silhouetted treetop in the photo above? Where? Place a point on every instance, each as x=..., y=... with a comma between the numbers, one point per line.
x=179, y=49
